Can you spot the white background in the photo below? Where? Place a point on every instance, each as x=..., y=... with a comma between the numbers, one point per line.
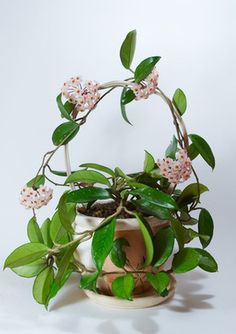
x=45, y=42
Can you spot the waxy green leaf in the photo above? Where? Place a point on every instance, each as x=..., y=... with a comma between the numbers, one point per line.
x=65, y=109
x=65, y=262
x=205, y=227
x=149, y=162
x=42, y=285
x=33, y=231
x=99, y=167
x=45, y=230
x=26, y=254
x=127, y=96
x=36, y=181
x=180, y=101
x=102, y=243
x=147, y=237
x=160, y=282
x=204, y=149
x=145, y=68
x=56, y=286
x=185, y=260
x=88, y=194
x=190, y=193
x=122, y=105
x=127, y=49
x=179, y=232
x=122, y=287
x=117, y=254
x=156, y=197
x=58, y=233
x=87, y=176
x=64, y=133
x=192, y=151
x=152, y=209
x=64, y=216
x=31, y=269
x=207, y=262
x=89, y=281
x=172, y=148
x=163, y=243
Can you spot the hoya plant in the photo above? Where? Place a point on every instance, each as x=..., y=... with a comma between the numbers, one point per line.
x=156, y=191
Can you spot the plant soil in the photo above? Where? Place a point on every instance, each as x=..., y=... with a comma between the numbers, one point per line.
x=103, y=210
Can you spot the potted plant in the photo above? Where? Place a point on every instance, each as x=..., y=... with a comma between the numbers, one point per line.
x=117, y=230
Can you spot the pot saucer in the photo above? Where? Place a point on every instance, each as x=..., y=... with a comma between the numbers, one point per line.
x=149, y=299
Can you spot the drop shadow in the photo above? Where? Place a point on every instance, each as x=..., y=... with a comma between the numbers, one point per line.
x=187, y=296
x=71, y=295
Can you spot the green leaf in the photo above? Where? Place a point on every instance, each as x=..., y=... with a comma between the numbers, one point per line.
x=155, y=197
x=186, y=219
x=65, y=262
x=205, y=227
x=207, y=262
x=145, y=68
x=163, y=243
x=89, y=281
x=152, y=209
x=33, y=231
x=36, y=181
x=55, y=287
x=127, y=49
x=58, y=233
x=64, y=133
x=159, y=281
x=58, y=172
x=204, y=149
x=63, y=108
x=180, y=101
x=122, y=105
x=120, y=173
x=147, y=237
x=117, y=253
x=42, y=285
x=45, y=230
x=128, y=96
x=99, y=167
x=179, y=232
x=87, y=176
x=102, y=243
x=122, y=287
x=26, y=254
x=192, y=151
x=88, y=194
x=30, y=270
x=190, y=193
x=172, y=148
x=63, y=213
x=149, y=162
x=190, y=234
x=185, y=260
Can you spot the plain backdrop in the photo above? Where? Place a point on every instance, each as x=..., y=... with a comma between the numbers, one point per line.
x=45, y=42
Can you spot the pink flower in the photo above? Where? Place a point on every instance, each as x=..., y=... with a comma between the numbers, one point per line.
x=35, y=198
x=146, y=87
x=84, y=94
x=176, y=171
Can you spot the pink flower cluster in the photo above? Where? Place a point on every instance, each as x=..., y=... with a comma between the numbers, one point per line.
x=178, y=170
x=84, y=94
x=35, y=198
x=146, y=87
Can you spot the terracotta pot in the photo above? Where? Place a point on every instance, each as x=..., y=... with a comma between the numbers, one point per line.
x=125, y=228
